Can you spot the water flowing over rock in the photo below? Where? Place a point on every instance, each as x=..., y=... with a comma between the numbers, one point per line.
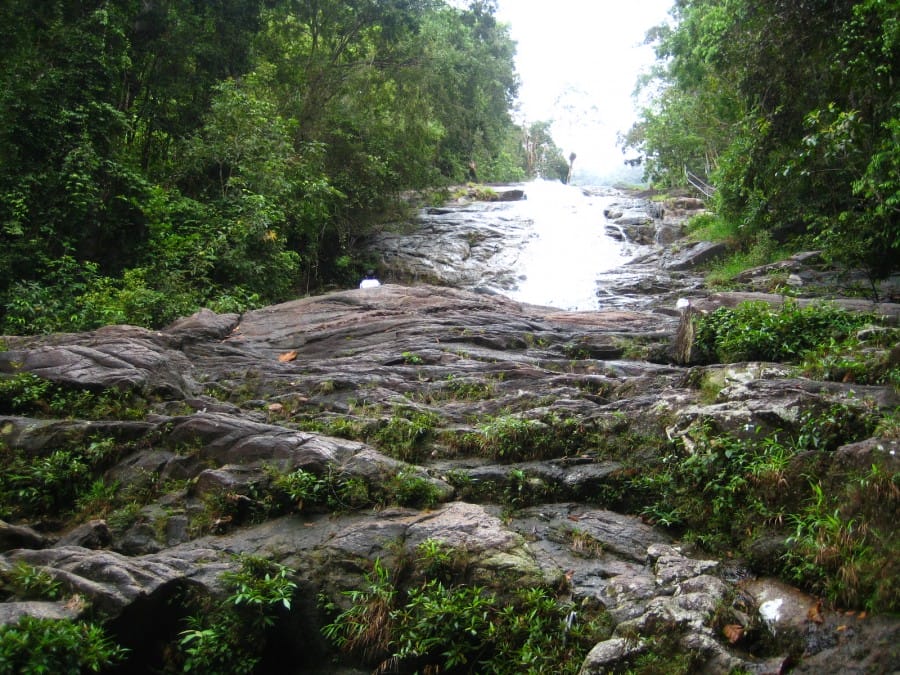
x=389, y=397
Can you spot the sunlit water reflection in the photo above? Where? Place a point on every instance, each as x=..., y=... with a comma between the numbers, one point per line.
x=560, y=264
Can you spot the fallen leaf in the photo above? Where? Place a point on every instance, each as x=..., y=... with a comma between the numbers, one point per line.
x=862, y=615
x=287, y=356
x=575, y=517
x=815, y=613
x=841, y=628
x=733, y=632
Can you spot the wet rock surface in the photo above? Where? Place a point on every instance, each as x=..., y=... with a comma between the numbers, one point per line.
x=236, y=401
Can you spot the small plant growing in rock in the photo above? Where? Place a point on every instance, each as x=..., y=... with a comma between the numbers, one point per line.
x=407, y=489
x=301, y=489
x=364, y=629
x=98, y=499
x=30, y=583
x=404, y=435
x=584, y=544
x=438, y=560
x=508, y=437
x=412, y=359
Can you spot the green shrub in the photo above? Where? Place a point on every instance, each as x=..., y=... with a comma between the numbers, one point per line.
x=722, y=492
x=229, y=637
x=514, y=438
x=28, y=394
x=303, y=489
x=435, y=627
x=52, y=484
x=64, y=647
x=755, y=331
x=863, y=359
x=844, y=543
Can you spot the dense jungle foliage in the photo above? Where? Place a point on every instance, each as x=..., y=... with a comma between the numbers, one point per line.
x=159, y=155
x=792, y=108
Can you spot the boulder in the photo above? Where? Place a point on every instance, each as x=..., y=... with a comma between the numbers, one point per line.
x=694, y=255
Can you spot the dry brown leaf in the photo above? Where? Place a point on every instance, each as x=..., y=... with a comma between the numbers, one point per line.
x=862, y=615
x=841, y=628
x=734, y=632
x=287, y=356
x=815, y=613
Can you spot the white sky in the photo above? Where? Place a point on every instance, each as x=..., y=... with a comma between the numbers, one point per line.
x=578, y=61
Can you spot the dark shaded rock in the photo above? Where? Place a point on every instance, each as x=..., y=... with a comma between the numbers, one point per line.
x=138, y=540
x=508, y=196
x=94, y=534
x=119, y=357
x=766, y=552
x=202, y=326
x=862, y=456
x=110, y=582
x=19, y=536
x=694, y=255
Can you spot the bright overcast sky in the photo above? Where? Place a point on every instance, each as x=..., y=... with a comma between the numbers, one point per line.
x=578, y=61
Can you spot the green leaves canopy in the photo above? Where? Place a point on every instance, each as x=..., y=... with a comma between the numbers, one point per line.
x=157, y=156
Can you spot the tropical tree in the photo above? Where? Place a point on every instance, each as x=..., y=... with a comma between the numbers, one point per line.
x=792, y=107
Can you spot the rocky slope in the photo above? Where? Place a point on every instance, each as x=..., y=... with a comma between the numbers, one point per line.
x=513, y=436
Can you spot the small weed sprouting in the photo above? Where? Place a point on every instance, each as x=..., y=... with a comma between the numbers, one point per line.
x=844, y=543
x=412, y=359
x=99, y=499
x=513, y=438
x=462, y=389
x=828, y=549
x=509, y=437
x=583, y=544
x=54, y=483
